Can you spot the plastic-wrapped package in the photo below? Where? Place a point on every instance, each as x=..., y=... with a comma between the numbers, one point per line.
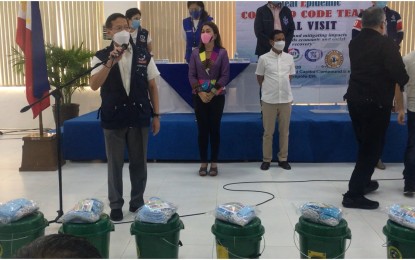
x=156, y=210
x=85, y=211
x=235, y=213
x=321, y=213
x=16, y=209
x=403, y=215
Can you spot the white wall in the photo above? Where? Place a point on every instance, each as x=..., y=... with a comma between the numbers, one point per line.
x=13, y=99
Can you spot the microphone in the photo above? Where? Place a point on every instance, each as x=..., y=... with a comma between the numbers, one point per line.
x=124, y=46
x=24, y=109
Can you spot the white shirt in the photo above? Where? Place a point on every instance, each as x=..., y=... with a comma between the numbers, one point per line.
x=276, y=69
x=125, y=68
x=409, y=61
x=276, y=13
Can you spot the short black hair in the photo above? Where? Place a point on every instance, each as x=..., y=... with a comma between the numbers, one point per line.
x=59, y=246
x=131, y=12
x=113, y=17
x=275, y=32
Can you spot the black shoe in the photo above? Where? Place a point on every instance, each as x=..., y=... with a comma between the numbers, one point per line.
x=409, y=189
x=359, y=202
x=133, y=209
x=265, y=166
x=116, y=215
x=285, y=165
x=373, y=185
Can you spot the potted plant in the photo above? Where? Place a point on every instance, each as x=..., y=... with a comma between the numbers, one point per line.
x=63, y=65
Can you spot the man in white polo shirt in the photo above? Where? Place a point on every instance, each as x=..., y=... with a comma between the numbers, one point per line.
x=409, y=161
x=274, y=73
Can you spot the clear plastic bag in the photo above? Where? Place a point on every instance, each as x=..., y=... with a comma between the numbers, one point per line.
x=85, y=211
x=16, y=209
x=403, y=215
x=236, y=213
x=321, y=213
x=156, y=210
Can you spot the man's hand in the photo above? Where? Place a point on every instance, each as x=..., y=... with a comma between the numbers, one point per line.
x=399, y=107
x=401, y=117
x=115, y=55
x=155, y=125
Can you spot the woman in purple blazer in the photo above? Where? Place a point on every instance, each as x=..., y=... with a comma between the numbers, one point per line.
x=208, y=75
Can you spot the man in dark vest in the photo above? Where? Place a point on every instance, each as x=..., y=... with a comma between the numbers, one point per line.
x=129, y=101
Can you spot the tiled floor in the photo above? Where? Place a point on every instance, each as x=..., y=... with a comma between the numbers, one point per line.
x=180, y=184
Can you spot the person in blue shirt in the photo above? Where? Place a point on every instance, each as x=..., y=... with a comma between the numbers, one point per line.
x=394, y=26
x=141, y=36
x=192, y=26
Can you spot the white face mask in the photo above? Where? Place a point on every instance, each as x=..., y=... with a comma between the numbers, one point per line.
x=279, y=45
x=122, y=37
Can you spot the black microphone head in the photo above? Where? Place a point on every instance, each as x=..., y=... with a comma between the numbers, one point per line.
x=24, y=109
x=124, y=46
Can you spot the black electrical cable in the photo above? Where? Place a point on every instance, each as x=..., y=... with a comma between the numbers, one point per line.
x=265, y=192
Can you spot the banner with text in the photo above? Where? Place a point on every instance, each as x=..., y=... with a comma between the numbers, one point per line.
x=323, y=30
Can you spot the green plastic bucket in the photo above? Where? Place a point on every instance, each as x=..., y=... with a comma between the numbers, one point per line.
x=158, y=240
x=400, y=240
x=321, y=241
x=98, y=233
x=233, y=241
x=20, y=233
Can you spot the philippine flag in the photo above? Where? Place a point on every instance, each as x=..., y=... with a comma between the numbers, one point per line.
x=29, y=37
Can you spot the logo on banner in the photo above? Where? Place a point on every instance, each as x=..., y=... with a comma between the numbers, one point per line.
x=334, y=59
x=295, y=53
x=313, y=55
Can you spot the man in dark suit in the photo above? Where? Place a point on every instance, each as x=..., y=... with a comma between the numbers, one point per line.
x=377, y=75
x=394, y=30
x=270, y=17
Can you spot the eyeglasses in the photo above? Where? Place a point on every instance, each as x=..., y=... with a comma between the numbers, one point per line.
x=194, y=9
x=120, y=28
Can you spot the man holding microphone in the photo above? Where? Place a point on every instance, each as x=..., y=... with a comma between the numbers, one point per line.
x=129, y=104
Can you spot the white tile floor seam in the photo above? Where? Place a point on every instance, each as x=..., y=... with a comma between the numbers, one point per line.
x=179, y=183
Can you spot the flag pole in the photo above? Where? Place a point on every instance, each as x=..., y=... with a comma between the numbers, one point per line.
x=40, y=124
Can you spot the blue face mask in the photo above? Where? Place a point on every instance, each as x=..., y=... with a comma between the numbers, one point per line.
x=381, y=4
x=135, y=24
x=195, y=14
